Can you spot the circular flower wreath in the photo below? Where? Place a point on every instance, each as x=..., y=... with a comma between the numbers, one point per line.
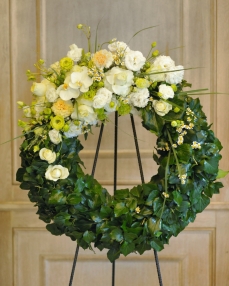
x=79, y=91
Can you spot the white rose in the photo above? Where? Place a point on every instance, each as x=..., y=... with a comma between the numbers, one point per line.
x=161, y=107
x=118, y=80
x=47, y=155
x=73, y=131
x=166, y=91
x=175, y=76
x=165, y=62
x=140, y=98
x=38, y=89
x=75, y=53
x=134, y=60
x=102, y=97
x=51, y=94
x=55, y=136
x=56, y=172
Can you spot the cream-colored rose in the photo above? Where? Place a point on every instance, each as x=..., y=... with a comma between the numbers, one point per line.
x=38, y=89
x=118, y=81
x=56, y=172
x=161, y=107
x=55, y=136
x=166, y=91
x=47, y=155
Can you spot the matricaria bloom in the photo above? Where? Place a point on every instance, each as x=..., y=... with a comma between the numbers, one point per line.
x=134, y=60
x=103, y=59
x=56, y=172
x=47, y=155
x=62, y=108
x=140, y=97
x=166, y=91
x=102, y=97
x=55, y=136
x=75, y=53
x=161, y=107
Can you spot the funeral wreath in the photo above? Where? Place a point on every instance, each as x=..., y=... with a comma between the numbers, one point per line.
x=80, y=91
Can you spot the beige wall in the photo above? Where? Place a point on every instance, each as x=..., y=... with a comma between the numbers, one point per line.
x=194, y=33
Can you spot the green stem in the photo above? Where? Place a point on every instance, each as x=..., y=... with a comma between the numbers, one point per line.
x=174, y=152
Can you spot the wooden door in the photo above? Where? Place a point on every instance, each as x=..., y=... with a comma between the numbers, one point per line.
x=194, y=33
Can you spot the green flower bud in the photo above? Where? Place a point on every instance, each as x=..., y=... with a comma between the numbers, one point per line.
x=101, y=84
x=174, y=87
x=79, y=26
x=47, y=111
x=66, y=128
x=176, y=109
x=36, y=148
x=147, y=65
x=20, y=104
x=38, y=131
x=76, y=122
x=153, y=44
x=155, y=53
x=159, y=94
x=174, y=124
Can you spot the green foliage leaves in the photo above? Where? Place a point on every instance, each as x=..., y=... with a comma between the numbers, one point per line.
x=145, y=216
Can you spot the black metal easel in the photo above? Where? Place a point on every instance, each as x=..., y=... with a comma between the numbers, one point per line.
x=115, y=185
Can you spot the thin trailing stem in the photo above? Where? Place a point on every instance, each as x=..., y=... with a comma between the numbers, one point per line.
x=175, y=153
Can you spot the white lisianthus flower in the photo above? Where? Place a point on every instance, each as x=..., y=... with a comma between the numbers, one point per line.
x=74, y=130
x=102, y=97
x=118, y=80
x=175, y=76
x=38, y=89
x=112, y=105
x=80, y=80
x=140, y=97
x=118, y=46
x=166, y=91
x=103, y=59
x=51, y=94
x=86, y=114
x=161, y=107
x=75, y=53
x=134, y=60
x=55, y=136
x=27, y=111
x=47, y=155
x=156, y=73
x=165, y=62
x=56, y=172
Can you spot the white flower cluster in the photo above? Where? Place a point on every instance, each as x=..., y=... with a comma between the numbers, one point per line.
x=83, y=88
